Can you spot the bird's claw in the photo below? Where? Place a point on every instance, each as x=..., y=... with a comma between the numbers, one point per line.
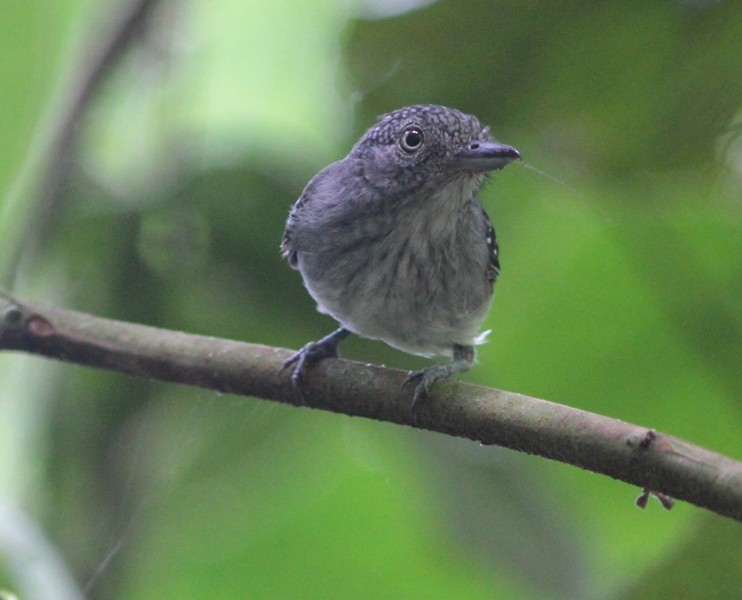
x=427, y=377
x=310, y=354
x=300, y=358
x=463, y=357
x=421, y=392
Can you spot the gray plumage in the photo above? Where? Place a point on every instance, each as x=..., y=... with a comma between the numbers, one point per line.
x=392, y=242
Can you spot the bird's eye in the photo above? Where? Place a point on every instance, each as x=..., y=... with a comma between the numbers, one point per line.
x=412, y=139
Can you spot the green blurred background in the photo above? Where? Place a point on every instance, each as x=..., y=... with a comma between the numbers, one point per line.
x=620, y=294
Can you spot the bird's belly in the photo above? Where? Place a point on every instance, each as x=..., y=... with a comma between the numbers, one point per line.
x=417, y=304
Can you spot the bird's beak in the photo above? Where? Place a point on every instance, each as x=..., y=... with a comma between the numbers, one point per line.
x=485, y=156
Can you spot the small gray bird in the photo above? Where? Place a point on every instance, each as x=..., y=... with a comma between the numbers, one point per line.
x=392, y=242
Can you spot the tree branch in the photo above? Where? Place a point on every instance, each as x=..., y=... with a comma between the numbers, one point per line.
x=656, y=462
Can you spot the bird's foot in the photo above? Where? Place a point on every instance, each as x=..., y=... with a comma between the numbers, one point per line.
x=427, y=377
x=310, y=354
x=463, y=358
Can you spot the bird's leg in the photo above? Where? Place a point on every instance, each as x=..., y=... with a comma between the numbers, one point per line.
x=463, y=358
x=313, y=352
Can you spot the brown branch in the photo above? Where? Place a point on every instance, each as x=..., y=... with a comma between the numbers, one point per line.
x=658, y=463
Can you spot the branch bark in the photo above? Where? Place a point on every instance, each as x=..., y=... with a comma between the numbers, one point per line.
x=656, y=462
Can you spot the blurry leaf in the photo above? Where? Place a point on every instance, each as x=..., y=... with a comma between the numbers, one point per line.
x=501, y=514
x=707, y=565
x=661, y=77
x=35, y=41
x=174, y=243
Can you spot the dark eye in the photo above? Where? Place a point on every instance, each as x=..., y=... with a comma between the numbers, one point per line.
x=412, y=139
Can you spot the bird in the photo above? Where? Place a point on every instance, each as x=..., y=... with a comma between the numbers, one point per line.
x=392, y=242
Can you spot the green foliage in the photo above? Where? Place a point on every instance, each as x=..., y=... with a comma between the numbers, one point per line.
x=619, y=294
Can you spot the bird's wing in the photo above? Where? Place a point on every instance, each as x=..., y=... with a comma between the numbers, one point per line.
x=493, y=266
x=320, y=189
x=288, y=251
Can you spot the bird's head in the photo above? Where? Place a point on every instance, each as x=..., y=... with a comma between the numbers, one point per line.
x=428, y=145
